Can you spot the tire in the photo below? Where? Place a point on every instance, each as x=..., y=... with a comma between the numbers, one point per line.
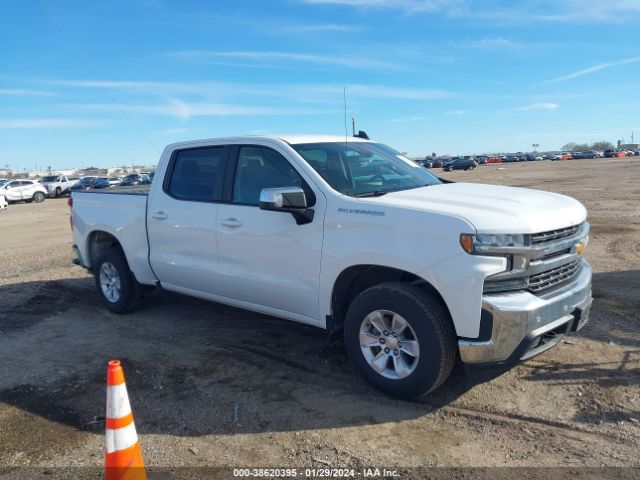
x=58, y=192
x=430, y=326
x=112, y=270
x=38, y=197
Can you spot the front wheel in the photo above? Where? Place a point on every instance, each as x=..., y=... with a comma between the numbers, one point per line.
x=38, y=197
x=400, y=339
x=118, y=289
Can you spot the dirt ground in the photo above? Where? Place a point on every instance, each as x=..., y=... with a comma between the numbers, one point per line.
x=212, y=385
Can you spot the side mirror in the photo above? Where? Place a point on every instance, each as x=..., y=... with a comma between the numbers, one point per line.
x=287, y=199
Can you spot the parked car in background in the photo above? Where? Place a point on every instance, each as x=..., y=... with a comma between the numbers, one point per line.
x=424, y=162
x=56, y=185
x=90, y=183
x=24, y=190
x=135, y=179
x=3, y=181
x=460, y=164
x=589, y=154
x=577, y=155
x=609, y=153
x=114, y=181
x=481, y=160
x=494, y=160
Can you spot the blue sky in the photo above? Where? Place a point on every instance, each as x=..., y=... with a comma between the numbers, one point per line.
x=112, y=82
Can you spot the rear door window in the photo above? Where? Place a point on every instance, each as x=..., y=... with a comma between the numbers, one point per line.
x=197, y=174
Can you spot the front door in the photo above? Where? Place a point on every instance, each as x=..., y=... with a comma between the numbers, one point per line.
x=265, y=258
x=182, y=220
x=13, y=191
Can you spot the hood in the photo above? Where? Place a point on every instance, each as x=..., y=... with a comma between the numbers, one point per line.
x=493, y=208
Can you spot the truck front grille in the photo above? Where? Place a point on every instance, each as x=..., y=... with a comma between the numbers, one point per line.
x=554, y=277
x=552, y=235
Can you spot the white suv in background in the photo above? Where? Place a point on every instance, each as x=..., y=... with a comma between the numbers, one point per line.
x=23, y=190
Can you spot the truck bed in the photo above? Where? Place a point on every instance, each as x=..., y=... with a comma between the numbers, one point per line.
x=118, y=211
x=131, y=190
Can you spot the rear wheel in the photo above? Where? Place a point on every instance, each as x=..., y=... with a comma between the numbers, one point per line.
x=118, y=289
x=58, y=192
x=38, y=197
x=400, y=339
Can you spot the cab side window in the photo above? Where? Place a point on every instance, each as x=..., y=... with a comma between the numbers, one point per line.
x=197, y=174
x=262, y=167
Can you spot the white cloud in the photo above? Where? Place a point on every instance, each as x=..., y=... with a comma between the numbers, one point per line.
x=324, y=93
x=185, y=110
x=173, y=131
x=275, y=59
x=50, y=122
x=538, y=106
x=410, y=6
x=415, y=118
x=559, y=11
x=318, y=27
x=593, y=69
x=494, y=43
x=539, y=10
x=455, y=112
x=21, y=92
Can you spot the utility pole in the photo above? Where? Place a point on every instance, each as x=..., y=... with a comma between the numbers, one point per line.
x=353, y=125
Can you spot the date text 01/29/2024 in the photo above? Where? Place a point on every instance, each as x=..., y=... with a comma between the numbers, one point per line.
x=314, y=472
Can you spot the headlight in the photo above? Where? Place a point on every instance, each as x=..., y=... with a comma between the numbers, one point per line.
x=472, y=243
x=501, y=240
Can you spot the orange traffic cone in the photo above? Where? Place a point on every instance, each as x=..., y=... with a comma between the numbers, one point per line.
x=123, y=457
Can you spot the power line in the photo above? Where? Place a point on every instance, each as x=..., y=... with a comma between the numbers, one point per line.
x=86, y=64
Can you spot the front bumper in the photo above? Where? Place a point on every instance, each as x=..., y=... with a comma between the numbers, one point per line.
x=521, y=325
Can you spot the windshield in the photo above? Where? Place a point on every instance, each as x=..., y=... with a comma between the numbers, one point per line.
x=363, y=168
x=51, y=178
x=87, y=180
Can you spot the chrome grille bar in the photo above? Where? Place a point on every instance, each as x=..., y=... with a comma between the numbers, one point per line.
x=554, y=234
x=550, y=278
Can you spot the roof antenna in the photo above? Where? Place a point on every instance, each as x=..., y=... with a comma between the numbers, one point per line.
x=346, y=131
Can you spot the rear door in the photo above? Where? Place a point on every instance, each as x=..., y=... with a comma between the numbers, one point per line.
x=182, y=219
x=28, y=189
x=265, y=258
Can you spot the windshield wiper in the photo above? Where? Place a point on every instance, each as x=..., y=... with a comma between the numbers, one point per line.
x=377, y=193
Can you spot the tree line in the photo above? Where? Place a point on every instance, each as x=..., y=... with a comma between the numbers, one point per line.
x=583, y=147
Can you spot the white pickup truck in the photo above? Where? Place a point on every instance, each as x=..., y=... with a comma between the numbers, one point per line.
x=350, y=236
x=57, y=185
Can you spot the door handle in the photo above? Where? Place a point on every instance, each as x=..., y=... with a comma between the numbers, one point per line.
x=231, y=222
x=159, y=215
